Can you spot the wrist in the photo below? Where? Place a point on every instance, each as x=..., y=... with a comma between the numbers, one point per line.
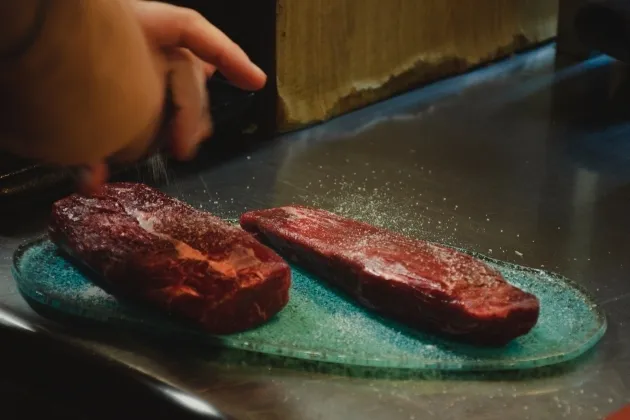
x=84, y=91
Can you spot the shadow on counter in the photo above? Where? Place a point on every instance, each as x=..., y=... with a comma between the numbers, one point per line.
x=591, y=113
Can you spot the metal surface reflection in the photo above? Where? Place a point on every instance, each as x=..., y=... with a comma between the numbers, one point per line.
x=46, y=366
x=10, y=320
x=192, y=403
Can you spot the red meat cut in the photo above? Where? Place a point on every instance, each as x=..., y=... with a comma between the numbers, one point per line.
x=420, y=284
x=153, y=248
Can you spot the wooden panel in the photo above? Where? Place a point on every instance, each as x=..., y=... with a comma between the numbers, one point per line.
x=336, y=55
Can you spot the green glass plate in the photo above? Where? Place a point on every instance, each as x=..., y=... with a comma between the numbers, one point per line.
x=320, y=324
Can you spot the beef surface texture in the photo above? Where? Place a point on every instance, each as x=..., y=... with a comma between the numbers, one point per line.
x=153, y=248
x=422, y=285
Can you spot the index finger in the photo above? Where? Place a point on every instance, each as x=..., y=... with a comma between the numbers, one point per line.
x=173, y=26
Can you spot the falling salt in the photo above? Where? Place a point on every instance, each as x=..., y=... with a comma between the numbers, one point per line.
x=249, y=157
x=520, y=254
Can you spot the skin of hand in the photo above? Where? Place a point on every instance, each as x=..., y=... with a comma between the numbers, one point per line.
x=179, y=48
x=193, y=50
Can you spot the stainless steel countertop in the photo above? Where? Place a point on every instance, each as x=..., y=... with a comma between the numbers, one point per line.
x=524, y=161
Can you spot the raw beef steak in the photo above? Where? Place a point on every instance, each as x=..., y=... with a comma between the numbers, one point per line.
x=150, y=247
x=420, y=284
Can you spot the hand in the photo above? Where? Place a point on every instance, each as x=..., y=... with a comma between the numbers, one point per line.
x=187, y=49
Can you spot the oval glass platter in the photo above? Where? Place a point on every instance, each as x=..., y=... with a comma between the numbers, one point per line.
x=321, y=324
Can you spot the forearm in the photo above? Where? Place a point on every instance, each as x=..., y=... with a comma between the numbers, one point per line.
x=86, y=85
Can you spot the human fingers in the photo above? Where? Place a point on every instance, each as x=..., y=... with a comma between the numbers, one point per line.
x=172, y=26
x=210, y=69
x=92, y=178
x=192, y=121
